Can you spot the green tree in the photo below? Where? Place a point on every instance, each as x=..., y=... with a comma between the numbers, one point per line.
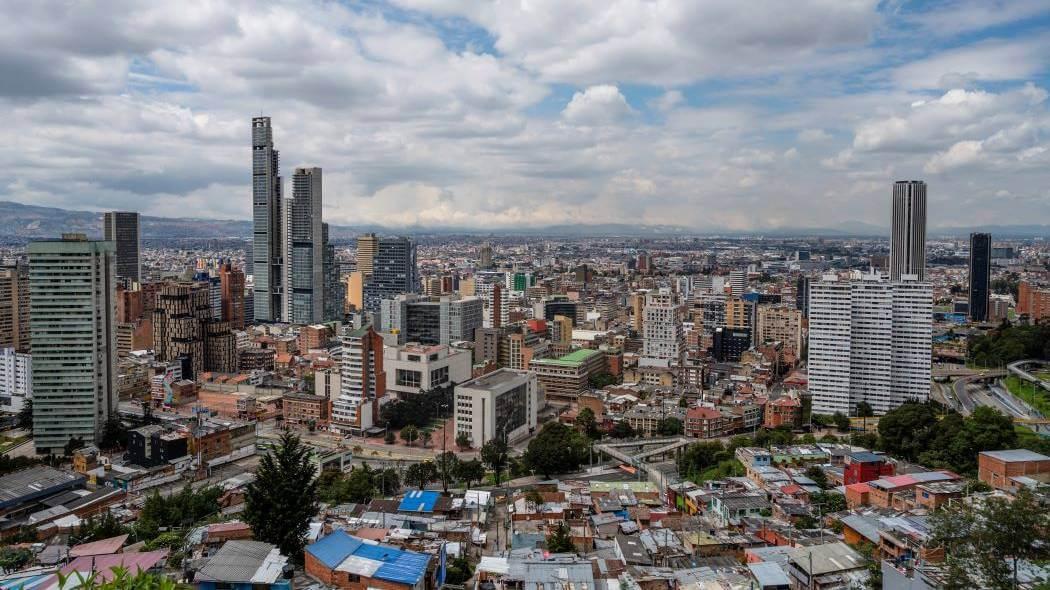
x=387, y=481
x=459, y=571
x=96, y=528
x=818, y=476
x=601, y=380
x=494, y=454
x=463, y=441
x=10, y=464
x=121, y=579
x=409, y=434
x=421, y=474
x=806, y=523
x=556, y=449
x=13, y=559
x=560, y=539
x=587, y=423
x=425, y=436
x=285, y=485
x=622, y=430
x=906, y=431
x=73, y=445
x=389, y=438
x=829, y=502
x=182, y=509
x=699, y=457
x=470, y=472
x=670, y=426
x=114, y=434
x=864, y=410
x=25, y=416
x=841, y=421
x=447, y=467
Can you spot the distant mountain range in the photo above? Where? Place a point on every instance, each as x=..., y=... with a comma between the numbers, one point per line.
x=24, y=222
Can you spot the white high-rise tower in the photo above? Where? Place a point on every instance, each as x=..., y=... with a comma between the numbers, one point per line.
x=908, y=238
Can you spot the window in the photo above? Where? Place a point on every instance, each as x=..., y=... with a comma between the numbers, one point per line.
x=409, y=378
x=439, y=376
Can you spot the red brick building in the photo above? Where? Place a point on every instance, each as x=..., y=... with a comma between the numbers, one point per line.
x=704, y=423
x=1008, y=470
x=783, y=411
x=863, y=467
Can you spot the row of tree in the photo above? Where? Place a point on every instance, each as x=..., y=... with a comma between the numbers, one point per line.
x=1007, y=344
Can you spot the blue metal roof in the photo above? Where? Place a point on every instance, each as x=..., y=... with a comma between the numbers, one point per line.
x=334, y=548
x=419, y=501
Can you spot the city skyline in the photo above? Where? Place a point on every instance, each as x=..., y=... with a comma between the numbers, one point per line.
x=410, y=107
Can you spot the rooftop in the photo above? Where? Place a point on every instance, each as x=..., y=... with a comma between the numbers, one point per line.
x=573, y=359
x=494, y=379
x=343, y=552
x=244, y=561
x=35, y=482
x=1016, y=455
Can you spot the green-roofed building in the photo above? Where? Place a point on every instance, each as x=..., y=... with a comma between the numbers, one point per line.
x=565, y=378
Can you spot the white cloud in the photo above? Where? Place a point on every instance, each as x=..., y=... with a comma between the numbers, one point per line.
x=597, y=105
x=668, y=100
x=813, y=136
x=961, y=154
x=992, y=61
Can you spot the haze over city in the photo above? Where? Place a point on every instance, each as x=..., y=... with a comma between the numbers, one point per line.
x=707, y=115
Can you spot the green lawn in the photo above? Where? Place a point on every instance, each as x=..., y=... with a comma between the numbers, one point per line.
x=1032, y=394
x=727, y=468
x=7, y=443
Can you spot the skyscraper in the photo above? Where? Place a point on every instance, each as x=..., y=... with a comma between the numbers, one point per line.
x=363, y=381
x=663, y=334
x=73, y=329
x=393, y=272
x=333, y=286
x=232, y=281
x=980, y=275
x=122, y=228
x=738, y=282
x=366, y=252
x=14, y=307
x=869, y=340
x=908, y=239
x=267, y=222
x=304, y=263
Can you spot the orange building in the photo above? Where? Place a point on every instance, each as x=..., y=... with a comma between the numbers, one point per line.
x=1009, y=470
x=1033, y=300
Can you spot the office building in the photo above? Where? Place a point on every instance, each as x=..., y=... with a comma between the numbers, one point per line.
x=497, y=306
x=72, y=325
x=14, y=307
x=355, y=291
x=485, y=257
x=637, y=301
x=415, y=368
x=178, y=324
x=662, y=332
x=331, y=281
x=393, y=272
x=802, y=295
x=504, y=404
x=565, y=378
x=122, y=228
x=559, y=305
x=560, y=330
x=367, y=246
x=728, y=344
x=16, y=379
x=440, y=320
x=780, y=323
x=908, y=238
x=362, y=382
x=980, y=276
x=231, y=281
x=869, y=340
x=737, y=282
x=304, y=260
x=267, y=224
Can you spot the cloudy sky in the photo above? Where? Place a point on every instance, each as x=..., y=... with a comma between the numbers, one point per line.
x=703, y=113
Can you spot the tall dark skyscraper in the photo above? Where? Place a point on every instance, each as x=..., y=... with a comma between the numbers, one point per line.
x=980, y=275
x=802, y=295
x=304, y=284
x=267, y=223
x=122, y=228
x=908, y=238
x=393, y=272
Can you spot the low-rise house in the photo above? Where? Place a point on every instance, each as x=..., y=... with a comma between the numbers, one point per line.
x=1013, y=469
x=247, y=564
x=343, y=561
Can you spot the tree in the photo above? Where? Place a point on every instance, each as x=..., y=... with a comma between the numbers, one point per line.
x=828, y=502
x=670, y=426
x=494, y=454
x=447, y=466
x=459, y=571
x=907, y=430
x=13, y=559
x=470, y=472
x=556, y=449
x=425, y=436
x=841, y=421
x=73, y=445
x=622, y=430
x=587, y=423
x=390, y=437
x=114, y=434
x=25, y=416
x=96, y=528
x=864, y=410
x=409, y=434
x=699, y=456
x=421, y=474
x=387, y=481
x=182, y=509
x=463, y=441
x=818, y=476
x=806, y=522
x=560, y=540
x=601, y=380
x=10, y=464
x=121, y=579
x=283, y=498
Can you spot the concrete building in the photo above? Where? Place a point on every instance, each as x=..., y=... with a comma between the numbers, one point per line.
x=662, y=332
x=178, y=324
x=355, y=291
x=267, y=224
x=737, y=282
x=560, y=330
x=415, y=368
x=16, y=379
x=1013, y=469
x=362, y=381
x=367, y=246
x=440, y=320
x=393, y=272
x=780, y=323
x=908, y=237
x=1033, y=301
x=303, y=409
x=566, y=378
x=869, y=340
x=122, y=228
x=231, y=281
x=14, y=307
x=73, y=329
x=980, y=276
x=504, y=403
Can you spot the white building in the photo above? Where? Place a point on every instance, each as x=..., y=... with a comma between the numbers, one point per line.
x=414, y=368
x=738, y=282
x=327, y=383
x=362, y=382
x=503, y=403
x=869, y=340
x=16, y=379
x=664, y=337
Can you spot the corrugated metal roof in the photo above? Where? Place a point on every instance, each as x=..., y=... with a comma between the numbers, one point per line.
x=1016, y=455
x=240, y=561
x=102, y=547
x=343, y=552
x=419, y=501
x=769, y=574
x=104, y=564
x=334, y=548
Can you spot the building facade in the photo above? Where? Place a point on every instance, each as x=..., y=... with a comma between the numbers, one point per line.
x=869, y=340
x=662, y=332
x=504, y=403
x=16, y=379
x=14, y=307
x=393, y=272
x=362, y=381
x=980, y=276
x=231, y=281
x=780, y=323
x=566, y=378
x=73, y=329
x=304, y=247
x=415, y=368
